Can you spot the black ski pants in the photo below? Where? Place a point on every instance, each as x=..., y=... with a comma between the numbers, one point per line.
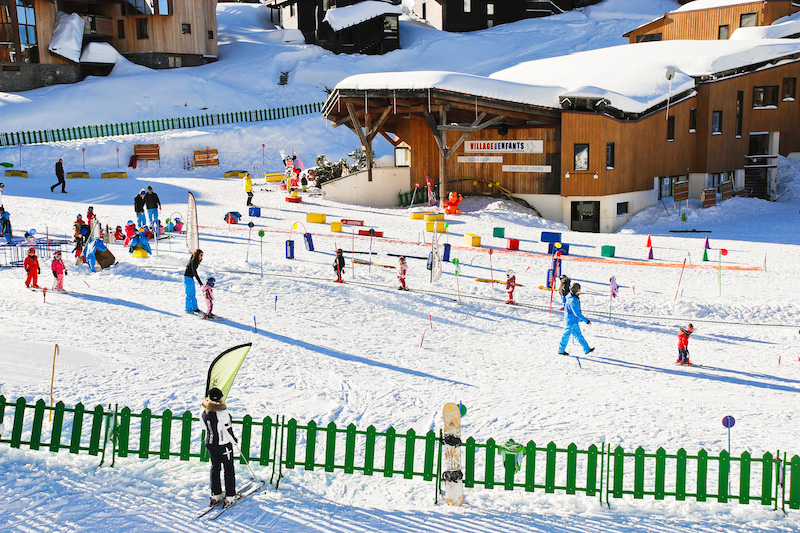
x=222, y=457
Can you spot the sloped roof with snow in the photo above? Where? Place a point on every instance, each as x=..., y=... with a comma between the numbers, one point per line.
x=631, y=77
x=344, y=17
x=708, y=4
x=783, y=27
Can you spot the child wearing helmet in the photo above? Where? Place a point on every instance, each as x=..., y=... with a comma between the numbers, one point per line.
x=208, y=292
x=401, y=273
x=130, y=231
x=59, y=271
x=31, y=265
x=119, y=235
x=683, y=345
x=511, y=283
x=573, y=316
x=338, y=265
x=90, y=216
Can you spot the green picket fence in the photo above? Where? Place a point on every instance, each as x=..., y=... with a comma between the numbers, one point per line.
x=604, y=473
x=151, y=126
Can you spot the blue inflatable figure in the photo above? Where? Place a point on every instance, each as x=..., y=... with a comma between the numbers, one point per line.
x=91, y=252
x=139, y=246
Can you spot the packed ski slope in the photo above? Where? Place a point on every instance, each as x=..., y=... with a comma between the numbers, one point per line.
x=354, y=353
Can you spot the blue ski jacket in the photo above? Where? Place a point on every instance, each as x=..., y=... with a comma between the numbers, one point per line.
x=572, y=311
x=140, y=238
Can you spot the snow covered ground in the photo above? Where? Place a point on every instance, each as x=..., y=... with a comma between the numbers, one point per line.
x=351, y=353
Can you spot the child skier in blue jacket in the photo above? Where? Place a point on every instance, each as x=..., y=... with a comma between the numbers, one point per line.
x=572, y=318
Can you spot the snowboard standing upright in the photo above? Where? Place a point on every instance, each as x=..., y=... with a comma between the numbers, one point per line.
x=452, y=476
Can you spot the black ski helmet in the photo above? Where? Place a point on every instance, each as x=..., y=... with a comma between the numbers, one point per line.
x=575, y=289
x=214, y=394
x=211, y=282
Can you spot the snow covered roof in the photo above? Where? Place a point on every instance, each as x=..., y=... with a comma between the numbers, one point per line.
x=343, y=17
x=783, y=27
x=67, y=36
x=633, y=82
x=98, y=52
x=708, y=4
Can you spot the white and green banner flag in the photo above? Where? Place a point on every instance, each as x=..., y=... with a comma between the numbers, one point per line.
x=224, y=368
x=192, y=233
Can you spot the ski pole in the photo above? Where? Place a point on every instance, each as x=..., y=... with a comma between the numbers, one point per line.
x=246, y=462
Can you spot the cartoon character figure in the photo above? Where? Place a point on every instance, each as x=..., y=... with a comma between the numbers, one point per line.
x=451, y=205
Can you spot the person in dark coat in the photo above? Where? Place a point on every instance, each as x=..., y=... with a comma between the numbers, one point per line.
x=220, y=441
x=189, y=275
x=138, y=207
x=60, y=176
x=338, y=265
x=153, y=205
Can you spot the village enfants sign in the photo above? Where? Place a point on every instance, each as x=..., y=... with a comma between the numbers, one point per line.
x=504, y=147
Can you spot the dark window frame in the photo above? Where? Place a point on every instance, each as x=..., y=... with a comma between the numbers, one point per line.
x=754, y=17
x=142, y=29
x=727, y=30
x=623, y=208
x=611, y=155
x=739, y=113
x=649, y=37
x=186, y=29
x=716, y=122
x=120, y=28
x=578, y=148
x=671, y=128
x=693, y=120
x=788, y=89
x=765, y=96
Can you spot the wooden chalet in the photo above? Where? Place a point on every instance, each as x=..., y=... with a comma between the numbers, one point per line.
x=471, y=15
x=376, y=33
x=154, y=33
x=581, y=160
x=717, y=22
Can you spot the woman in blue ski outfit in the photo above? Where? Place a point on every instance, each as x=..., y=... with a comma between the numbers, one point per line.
x=572, y=319
x=189, y=275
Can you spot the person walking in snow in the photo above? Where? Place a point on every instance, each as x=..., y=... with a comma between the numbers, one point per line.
x=511, y=284
x=402, y=269
x=5, y=224
x=683, y=345
x=59, y=271
x=189, y=275
x=138, y=207
x=33, y=269
x=572, y=319
x=208, y=292
x=248, y=188
x=60, y=176
x=153, y=205
x=219, y=443
x=338, y=265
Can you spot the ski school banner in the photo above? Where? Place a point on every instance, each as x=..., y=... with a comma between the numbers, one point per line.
x=192, y=233
x=224, y=368
x=504, y=147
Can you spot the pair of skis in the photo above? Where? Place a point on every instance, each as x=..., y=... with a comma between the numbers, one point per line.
x=215, y=511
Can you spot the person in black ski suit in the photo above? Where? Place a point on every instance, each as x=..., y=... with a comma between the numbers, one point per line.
x=153, y=205
x=60, y=176
x=189, y=275
x=338, y=265
x=219, y=443
x=138, y=207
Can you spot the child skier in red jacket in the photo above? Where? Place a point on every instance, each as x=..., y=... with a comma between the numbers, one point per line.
x=402, y=269
x=33, y=269
x=511, y=284
x=683, y=345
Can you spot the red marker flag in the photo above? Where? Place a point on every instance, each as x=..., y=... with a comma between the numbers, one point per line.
x=723, y=251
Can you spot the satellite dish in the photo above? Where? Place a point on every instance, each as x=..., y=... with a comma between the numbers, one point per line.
x=670, y=73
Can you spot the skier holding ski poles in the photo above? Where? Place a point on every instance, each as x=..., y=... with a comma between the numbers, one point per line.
x=219, y=443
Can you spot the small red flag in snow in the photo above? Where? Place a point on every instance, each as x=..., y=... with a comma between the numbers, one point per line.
x=723, y=251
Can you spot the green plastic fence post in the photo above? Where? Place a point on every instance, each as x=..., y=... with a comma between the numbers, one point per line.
x=766, y=478
x=619, y=471
x=388, y=460
x=550, y=469
x=244, y=441
x=408, y=469
x=98, y=414
x=702, y=475
x=311, y=445
x=680, y=475
x=724, y=475
x=369, y=451
x=469, y=463
x=144, y=434
x=430, y=450
x=572, y=468
x=661, y=466
x=204, y=457
x=186, y=436
x=794, y=492
x=509, y=469
x=330, y=447
x=491, y=451
x=591, y=470
x=58, y=421
x=744, y=478
x=77, y=423
x=166, y=434
x=19, y=416
x=266, y=435
x=36, y=429
x=2, y=407
x=530, y=466
x=638, y=473
x=124, y=432
x=291, y=442
x=350, y=450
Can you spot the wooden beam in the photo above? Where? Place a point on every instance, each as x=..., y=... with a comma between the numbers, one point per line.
x=374, y=130
x=394, y=142
x=364, y=141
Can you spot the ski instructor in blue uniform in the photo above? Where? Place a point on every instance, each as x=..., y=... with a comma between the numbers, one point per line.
x=572, y=319
x=219, y=443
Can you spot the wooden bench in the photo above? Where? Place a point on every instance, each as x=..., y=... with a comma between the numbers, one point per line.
x=106, y=175
x=17, y=173
x=146, y=152
x=71, y=175
x=206, y=158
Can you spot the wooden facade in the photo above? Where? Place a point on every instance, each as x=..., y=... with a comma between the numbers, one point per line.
x=712, y=23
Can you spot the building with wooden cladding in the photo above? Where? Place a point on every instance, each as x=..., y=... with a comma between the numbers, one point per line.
x=154, y=33
x=706, y=20
x=342, y=26
x=471, y=15
x=584, y=146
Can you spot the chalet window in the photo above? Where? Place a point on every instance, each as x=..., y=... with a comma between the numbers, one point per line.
x=671, y=128
x=164, y=7
x=425, y=11
x=622, y=208
x=724, y=32
x=789, y=89
x=581, y=156
x=175, y=61
x=765, y=95
x=666, y=186
x=121, y=29
x=148, y=7
x=490, y=9
x=739, y=113
x=141, y=29
x=610, y=156
x=18, y=32
x=467, y=6
x=693, y=120
x=748, y=19
x=390, y=25
x=186, y=29
x=716, y=122
x=648, y=37
x=210, y=35
x=291, y=10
